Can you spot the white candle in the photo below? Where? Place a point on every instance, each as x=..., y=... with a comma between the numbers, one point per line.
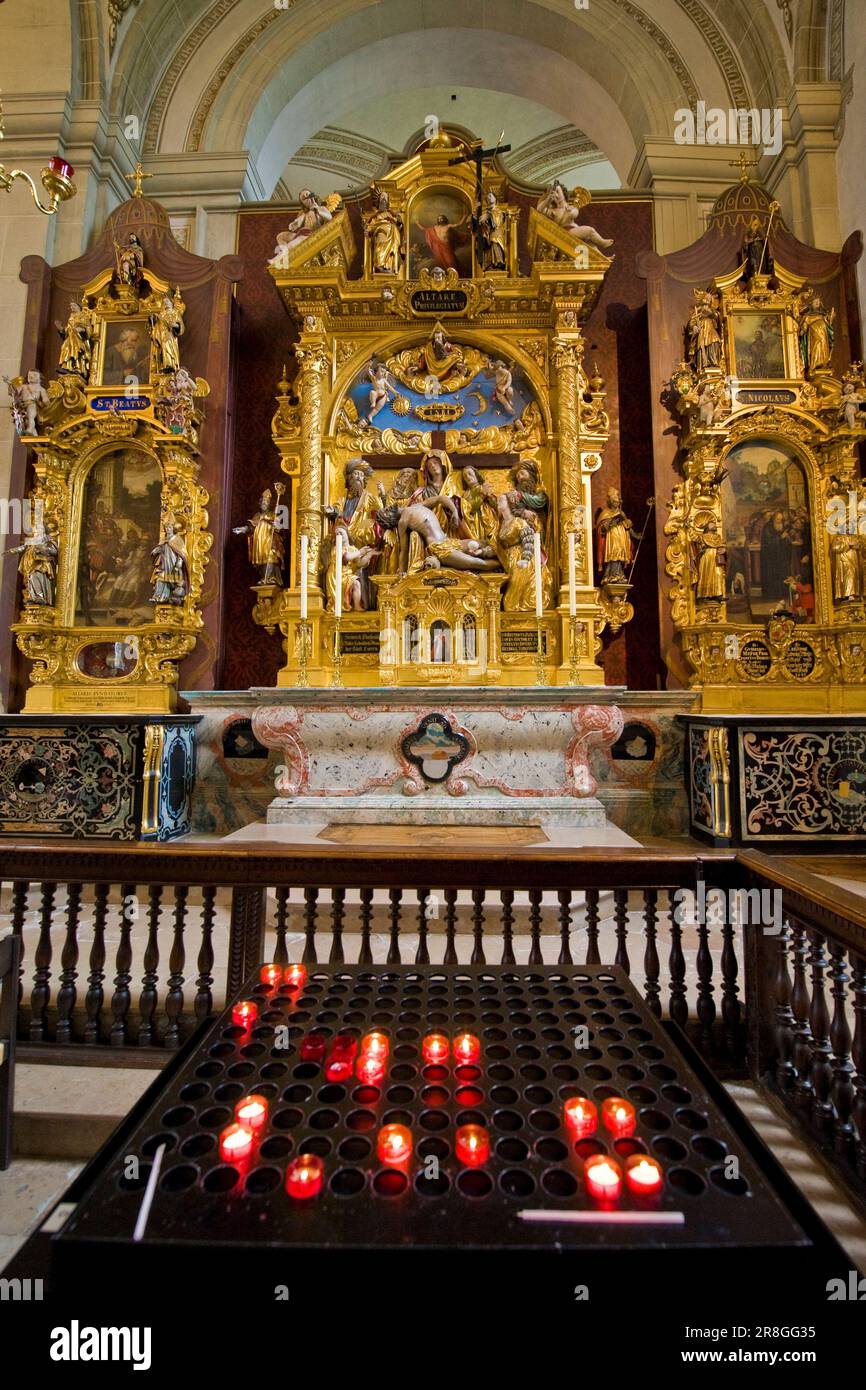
x=572, y=590
x=536, y=556
x=338, y=578
x=305, y=549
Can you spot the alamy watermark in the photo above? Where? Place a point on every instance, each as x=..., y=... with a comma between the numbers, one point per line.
x=748, y=907
x=756, y=126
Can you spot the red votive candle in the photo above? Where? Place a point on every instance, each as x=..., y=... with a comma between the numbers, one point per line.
x=395, y=1145
x=245, y=1013
x=58, y=165
x=375, y=1045
x=603, y=1178
x=338, y=1068
x=467, y=1048
x=252, y=1112
x=370, y=1069
x=271, y=975
x=618, y=1116
x=581, y=1117
x=304, y=1176
x=236, y=1143
x=344, y=1045
x=472, y=1145
x=435, y=1048
x=643, y=1175
x=313, y=1047
x=296, y=976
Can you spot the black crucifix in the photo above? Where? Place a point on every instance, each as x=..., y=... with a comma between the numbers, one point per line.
x=477, y=156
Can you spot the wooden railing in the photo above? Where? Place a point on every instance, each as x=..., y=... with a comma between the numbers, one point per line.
x=125, y=948
x=806, y=996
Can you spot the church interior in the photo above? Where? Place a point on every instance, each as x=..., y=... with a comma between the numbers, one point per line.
x=433, y=661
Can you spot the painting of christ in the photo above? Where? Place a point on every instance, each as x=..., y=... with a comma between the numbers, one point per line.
x=440, y=234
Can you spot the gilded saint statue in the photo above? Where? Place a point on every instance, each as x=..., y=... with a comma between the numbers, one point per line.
x=171, y=568
x=76, y=341
x=527, y=496
x=755, y=249
x=478, y=506
x=815, y=327
x=129, y=262
x=166, y=328
x=385, y=231
x=712, y=563
x=845, y=552
x=357, y=515
x=264, y=541
x=705, y=343
x=491, y=222
x=615, y=535
x=515, y=545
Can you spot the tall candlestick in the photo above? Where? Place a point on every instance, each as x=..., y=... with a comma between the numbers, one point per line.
x=305, y=549
x=338, y=578
x=536, y=560
x=572, y=577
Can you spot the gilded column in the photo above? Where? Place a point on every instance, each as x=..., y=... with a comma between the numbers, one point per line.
x=311, y=353
x=567, y=358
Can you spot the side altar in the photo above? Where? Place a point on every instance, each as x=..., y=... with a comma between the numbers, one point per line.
x=433, y=523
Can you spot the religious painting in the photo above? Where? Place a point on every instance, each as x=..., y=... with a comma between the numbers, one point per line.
x=120, y=523
x=769, y=546
x=440, y=233
x=442, y=382
x=759, y=346
x=126, y=353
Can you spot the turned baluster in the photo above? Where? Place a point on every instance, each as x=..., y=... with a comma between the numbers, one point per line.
x=821, y=1071
x=678, y=1006
x=150, y=979
x=842, y=1086
x=785, y=1070
x=365, y=954
x=620, y=917
x=174, y=995
x=422, y=955
x=535, y=956
x=68, y=961
x=592, y=920
x=652, y=989
x=395, y=896
x=478, y=957
x=801, y=1053
x=281, y=954
x=41, y=991
x=730, y=991
x=203, y=994
x=311, y=898
x=706, y=1006
x=121, y=999
x=506, y=897
x=858, y=1053
x=450, y=957
x=19, y=908
x=564, y=896
x=95, y=996
x=338, y=912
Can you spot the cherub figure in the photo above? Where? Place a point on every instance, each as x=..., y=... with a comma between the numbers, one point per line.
x=503, y=390
x=28, y=394
x=380, y=390
x=853, y=397
x=313, y=215
x=555, y=205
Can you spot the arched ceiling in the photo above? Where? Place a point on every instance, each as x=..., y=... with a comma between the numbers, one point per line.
x=303, y=86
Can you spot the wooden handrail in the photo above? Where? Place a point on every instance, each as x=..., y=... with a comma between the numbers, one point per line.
x=253, y=864
x=812, y=898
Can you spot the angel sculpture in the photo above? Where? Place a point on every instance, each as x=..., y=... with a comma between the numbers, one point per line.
x=555, y=204
x=28, y=394
x=314, y=214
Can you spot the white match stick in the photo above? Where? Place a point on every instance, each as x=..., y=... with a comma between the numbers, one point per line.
x=147, y=1199
x=608, y=1218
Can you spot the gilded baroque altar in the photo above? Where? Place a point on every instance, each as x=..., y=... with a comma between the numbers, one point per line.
x=439, y=440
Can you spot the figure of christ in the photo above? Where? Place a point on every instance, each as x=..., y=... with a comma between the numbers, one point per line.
x=418, y=519
x=442, y=238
